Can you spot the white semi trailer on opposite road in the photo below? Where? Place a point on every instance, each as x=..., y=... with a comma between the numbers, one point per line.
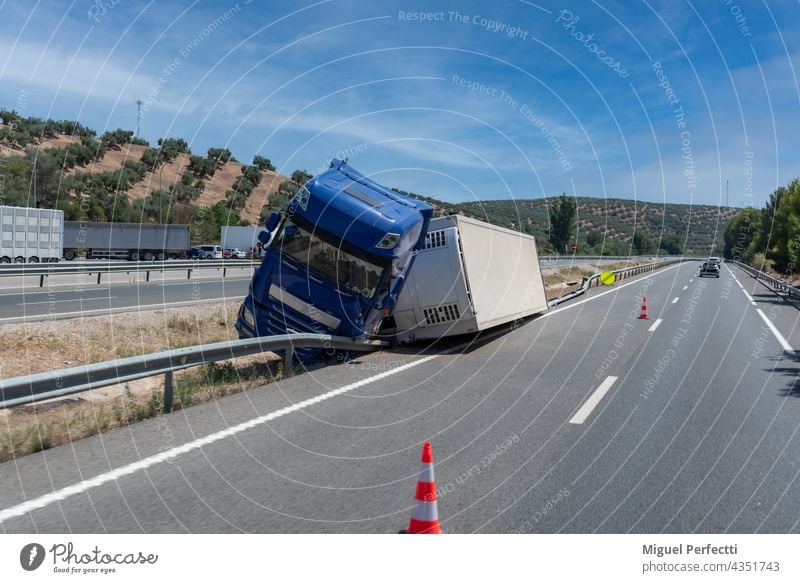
x=30, y=235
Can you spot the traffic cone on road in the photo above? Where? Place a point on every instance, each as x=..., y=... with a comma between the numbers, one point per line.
x=643, y=313
x=424, y=515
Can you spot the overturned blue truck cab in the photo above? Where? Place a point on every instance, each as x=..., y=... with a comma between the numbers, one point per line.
x=337, y=260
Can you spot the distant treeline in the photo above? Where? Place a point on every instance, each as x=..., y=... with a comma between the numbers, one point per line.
x=768, y=237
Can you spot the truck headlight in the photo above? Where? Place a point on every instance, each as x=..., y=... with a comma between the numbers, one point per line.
x=389, y=241
x=248, y=317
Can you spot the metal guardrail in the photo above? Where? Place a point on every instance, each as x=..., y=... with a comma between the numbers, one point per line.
x=17, y=269
x=772, y=282
x=45, y=270
x=585, y=258
x=619, y=274
x=58, y=383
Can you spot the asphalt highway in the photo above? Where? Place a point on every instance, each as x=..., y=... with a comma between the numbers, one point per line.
x=586, y=419
x=90, y=300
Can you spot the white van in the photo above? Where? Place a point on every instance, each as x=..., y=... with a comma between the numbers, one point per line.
x=210, y=252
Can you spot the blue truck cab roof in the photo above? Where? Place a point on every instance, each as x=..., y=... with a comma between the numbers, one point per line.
x=349, y=206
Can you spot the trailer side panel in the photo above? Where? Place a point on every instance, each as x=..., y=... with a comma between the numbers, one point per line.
x=502, y=270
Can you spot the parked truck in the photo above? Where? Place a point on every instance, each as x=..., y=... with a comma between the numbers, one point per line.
x=131, y=241
x=30, y=235
x=353, y=258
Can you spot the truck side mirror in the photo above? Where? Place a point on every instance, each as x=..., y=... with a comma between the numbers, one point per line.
x=272, y=222
x=263, y=237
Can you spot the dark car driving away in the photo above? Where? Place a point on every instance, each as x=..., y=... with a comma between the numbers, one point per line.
x=709, y=268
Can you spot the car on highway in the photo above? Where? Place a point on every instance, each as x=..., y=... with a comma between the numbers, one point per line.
x=234, y=254
x=205, y=252
x=710, y=269
x=716, y=260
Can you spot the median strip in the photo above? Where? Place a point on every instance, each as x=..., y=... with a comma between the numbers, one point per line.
x=592, y=402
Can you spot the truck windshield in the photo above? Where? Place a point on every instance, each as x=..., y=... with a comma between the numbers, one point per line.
x=349, y=272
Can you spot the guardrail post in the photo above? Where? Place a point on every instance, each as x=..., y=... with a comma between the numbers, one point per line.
x=224, y=271
x=98, y=277
x=169, y=382
x=147, y=275
x=288, y=361
x=41, y=280
x=189, y=274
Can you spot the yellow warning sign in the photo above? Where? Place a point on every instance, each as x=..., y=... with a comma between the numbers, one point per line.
x=607, y=278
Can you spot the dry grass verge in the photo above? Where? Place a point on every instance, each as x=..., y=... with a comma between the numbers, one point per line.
x=34, y=428
x=48, y=345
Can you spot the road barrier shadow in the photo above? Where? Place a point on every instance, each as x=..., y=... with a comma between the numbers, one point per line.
x=463, y=343
x=791, y=370
x=766, y=297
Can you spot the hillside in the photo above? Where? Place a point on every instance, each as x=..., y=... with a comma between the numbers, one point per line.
x=698, y=228
x=167, y=175
x=117, y=177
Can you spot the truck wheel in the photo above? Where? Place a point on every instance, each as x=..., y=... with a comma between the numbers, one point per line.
x=160, y=256
x=5, y=259
x=147, y=256
x=33, y=260
x=19, y=260
x=70, y=254
x=133, y=256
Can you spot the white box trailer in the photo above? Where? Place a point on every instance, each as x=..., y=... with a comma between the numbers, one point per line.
x=30, y=235
x=471, y=276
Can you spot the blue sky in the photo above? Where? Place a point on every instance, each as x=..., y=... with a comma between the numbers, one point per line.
x=457, y=100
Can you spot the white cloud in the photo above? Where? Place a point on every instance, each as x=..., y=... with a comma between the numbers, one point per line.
x=60, y=70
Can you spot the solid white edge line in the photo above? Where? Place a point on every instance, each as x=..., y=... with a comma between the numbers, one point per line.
x=748, y=296
x=592, y=401
x=63, y=493
x=655, y=325
x=558, y=310
x=778, y=336
x=675, y=301
x=75, y=300
x=119, y=310
x=103, y=286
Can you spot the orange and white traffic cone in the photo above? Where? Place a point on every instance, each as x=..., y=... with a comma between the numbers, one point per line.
x=424, y=515
x=643, y=313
